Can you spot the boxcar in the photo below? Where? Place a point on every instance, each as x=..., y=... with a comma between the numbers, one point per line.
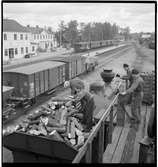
x=32, y=80
x=75, y=65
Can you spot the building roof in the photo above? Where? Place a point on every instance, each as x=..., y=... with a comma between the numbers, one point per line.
x=37, y=30
x=34, y=68
x=13, y=26
x=7, y=88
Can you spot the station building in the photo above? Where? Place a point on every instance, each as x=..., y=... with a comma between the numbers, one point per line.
x=16, y=43
x=41, y=38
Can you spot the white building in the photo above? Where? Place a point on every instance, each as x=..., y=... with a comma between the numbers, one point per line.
x=42, y=38
x=19, y=41
x=16, y=40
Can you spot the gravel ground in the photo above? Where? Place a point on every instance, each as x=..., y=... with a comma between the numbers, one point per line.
x=116, y=64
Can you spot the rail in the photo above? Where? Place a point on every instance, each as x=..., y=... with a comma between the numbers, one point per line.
x=99, y=129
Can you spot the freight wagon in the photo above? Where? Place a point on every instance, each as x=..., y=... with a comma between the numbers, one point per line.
x=83, y=46
x=35, y=79
x=75, y=65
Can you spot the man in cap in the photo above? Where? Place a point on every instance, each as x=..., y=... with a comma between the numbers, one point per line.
x=127, y=77
x=86, y=99
x=136, y=91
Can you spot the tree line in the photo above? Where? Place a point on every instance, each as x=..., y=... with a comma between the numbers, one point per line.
x=76, y=32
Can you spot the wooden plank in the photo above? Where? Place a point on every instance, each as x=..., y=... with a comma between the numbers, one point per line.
x=139, y=136
x=120, y=116
x=120, y=147
x=88, y=156
x=108, y=154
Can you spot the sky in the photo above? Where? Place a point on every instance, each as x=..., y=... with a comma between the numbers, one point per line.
x=140, y=17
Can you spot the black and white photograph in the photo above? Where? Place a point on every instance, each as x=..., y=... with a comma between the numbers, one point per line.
x=78, y=82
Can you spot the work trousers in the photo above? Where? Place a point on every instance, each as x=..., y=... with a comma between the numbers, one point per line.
x=136, y=106
x=135, y=100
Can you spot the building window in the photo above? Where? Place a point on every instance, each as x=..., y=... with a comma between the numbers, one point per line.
x=21, y=36
x=5, y=36
x=34, y=36
x=26, y=37
x=26, y=49
x=37, y=36
x=33, y=48
x=22, y=50
x=6, y=52
x=16, y=51
x=40, y=36
x=15, y=36
x=43, y=36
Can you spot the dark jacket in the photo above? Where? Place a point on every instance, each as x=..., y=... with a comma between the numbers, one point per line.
x=88, y=107
x=137, y=86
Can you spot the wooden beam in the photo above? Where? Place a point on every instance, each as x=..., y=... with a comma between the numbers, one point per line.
x=120, y=116
x=139, y=136
x=110, y=126
x=88, y=156
x=101, y=143
x=108, y=154
x=120, y=147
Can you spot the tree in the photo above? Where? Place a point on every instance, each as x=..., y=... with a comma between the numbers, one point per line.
x=50, y=29
x=62, y=29
x=71, y=32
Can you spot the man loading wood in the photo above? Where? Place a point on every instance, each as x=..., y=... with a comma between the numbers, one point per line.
x=85, y=98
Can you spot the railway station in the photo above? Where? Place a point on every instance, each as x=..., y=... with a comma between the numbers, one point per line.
x=84, y=99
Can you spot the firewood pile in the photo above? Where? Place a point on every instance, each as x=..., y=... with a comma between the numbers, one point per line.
x=149, y=86
x=58, y=120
